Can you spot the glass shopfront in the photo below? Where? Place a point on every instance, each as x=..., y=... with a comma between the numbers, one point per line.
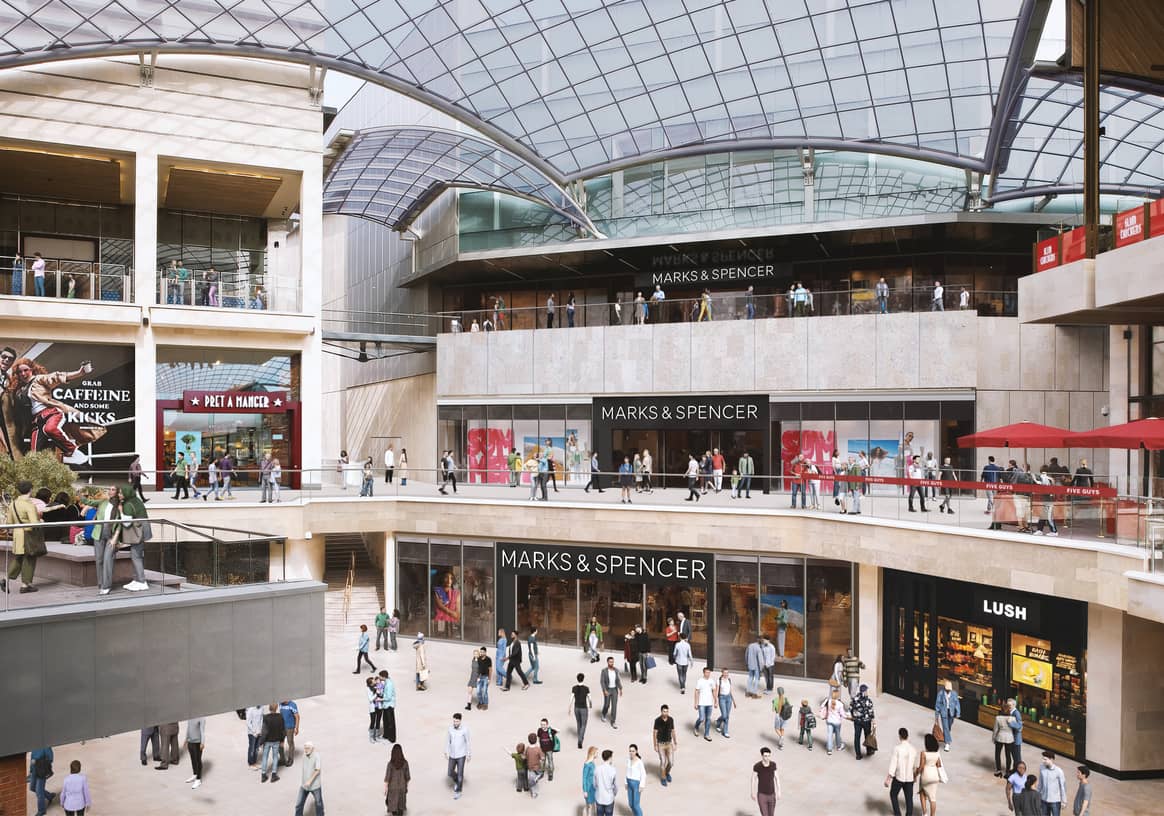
x=993, y=645
x=444, y=588
x=464, y=590
x=203, y=429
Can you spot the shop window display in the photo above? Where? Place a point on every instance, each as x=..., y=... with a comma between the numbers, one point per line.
x=782, y=612
x=617, y=606
x=736, y=622
x=829, y=599
x=445, y=604
x=477, y=598
x=966, y=655
x=412, y=586
x=551, y=604
x=666, y=602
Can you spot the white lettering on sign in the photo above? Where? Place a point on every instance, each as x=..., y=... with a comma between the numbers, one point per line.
x=606, y=564
x=1131, y=226
x=727, y=273
x=1004, y=610
x=682, y=411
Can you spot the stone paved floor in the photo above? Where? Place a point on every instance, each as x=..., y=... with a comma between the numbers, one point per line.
x=711, y=779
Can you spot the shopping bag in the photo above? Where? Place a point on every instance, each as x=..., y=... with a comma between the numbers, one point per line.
x=871, y=741
x=650, y=662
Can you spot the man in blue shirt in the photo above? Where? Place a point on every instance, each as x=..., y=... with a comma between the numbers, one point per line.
x=39, y=769
x=544, y=473
x=499, y=657
x=991, y=474
x=290, y=713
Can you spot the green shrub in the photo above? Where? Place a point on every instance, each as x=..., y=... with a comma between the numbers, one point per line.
x=43, y=469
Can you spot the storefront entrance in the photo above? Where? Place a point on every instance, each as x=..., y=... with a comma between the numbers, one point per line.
x=993, y=645
x=672, y=428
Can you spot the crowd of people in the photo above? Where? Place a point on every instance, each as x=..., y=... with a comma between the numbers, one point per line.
x=184, y=287
x=797, y=301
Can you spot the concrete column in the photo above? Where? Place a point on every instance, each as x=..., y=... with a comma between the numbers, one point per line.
x=389, y=571
x=311, y=357
x=301, y=561
x=868, y=624
x=1105, y=669
x=145, y=263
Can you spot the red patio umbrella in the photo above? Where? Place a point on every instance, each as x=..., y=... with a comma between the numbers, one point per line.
x=1018, y=435
x=1139, y=433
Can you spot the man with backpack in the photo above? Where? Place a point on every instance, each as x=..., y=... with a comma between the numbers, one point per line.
x=39, y=770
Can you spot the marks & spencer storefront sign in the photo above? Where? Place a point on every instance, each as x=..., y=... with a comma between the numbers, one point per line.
x=720, y=412
x=597, y=563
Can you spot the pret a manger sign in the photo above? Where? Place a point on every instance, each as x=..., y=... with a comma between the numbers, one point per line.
x=235, y=402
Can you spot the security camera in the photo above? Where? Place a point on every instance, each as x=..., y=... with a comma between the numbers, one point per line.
x=1105, y=410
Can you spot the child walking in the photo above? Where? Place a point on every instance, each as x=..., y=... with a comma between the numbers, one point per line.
x=807, y=723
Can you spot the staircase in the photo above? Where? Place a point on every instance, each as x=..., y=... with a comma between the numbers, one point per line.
x=367, y=588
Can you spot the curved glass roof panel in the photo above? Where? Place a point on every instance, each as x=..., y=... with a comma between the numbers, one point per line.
x=391, y=174
x=1044, y=150
x=578, y=88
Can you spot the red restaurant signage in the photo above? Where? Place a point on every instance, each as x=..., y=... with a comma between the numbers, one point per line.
x=1075, y=245
x=1047, y=254
x=1156, y=218
x=1129, y=227
x=235, y=402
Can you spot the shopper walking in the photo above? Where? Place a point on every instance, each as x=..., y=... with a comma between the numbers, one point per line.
x=531, y=644
x=902, y=771
x=474, y=679
x=27, y=542
x=754, y=662
x=782, y=708
x=254, y=719
x=606, y=785
x=458, y=751
x=666, y=742
x=1029, y=803
x=1082, y=805
x=947, y=709
x=929, y=776
x=851, y=670
x=534, y=759
x=195, y=745
x=272, y=737
x=289, y=710
x=513, y=663
x=499, y=656
x=422, y=672
x=643, y=648
x=311, y=784
x=611, y=684
x=374, y=711
x=834, y=714
x=362, y=650
x=626, y=480
x=747, y=468
x=705, y=694
x=882, y=292
x=692, y=475
x=150, y=736
x=589, y=783
x=1052, y=785
x=387, y=707
x=768, y=652
x=682, y=656
x=382, y=628
x=40, y=768
x=396, y=778
x=636, y=780
x=861, y=712
x=765, y=785
x=389, y=464
x=580, y=704
x=550, y=744
x=1015, y=783
x=75, y=796
x=393, y=628
x=1003, y=738
x=806, y=721
x=368, y=478
x=671, y=636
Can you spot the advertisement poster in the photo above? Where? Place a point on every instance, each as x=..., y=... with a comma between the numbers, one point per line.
x=886, y=444
x=73, y=399
x=488, y=454
x=776, y=609
x=189, y=443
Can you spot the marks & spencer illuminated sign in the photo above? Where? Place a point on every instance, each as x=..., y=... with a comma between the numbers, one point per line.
x=631, y=566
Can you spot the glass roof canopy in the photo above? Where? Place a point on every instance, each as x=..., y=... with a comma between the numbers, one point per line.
x=391, y=174
x=1044, y=155
x=580, y=88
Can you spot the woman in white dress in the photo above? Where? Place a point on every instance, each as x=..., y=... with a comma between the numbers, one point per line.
x=929, y=776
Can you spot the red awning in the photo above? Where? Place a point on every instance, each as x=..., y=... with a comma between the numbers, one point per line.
x=1019, y=435
x=1140, y=433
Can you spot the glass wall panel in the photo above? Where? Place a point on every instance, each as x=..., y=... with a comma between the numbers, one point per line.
x=412, y=586
x=446, y=604
x=525, y=431
x=665, y=602
x=552, y=437
x=578, y=445
x=736, y=609
x=885, y=453
x=477, y=598
x=829, y=626
x=476, y=444
x=617, y=606
x=782, y=612
x=551, y=604
x=499, y=443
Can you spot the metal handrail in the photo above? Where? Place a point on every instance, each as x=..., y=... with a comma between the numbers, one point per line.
x=348, y=583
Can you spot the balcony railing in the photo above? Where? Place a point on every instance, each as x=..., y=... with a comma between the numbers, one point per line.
x=176, y=558
x=728, y=306
x=268, y=293
x=72, y=280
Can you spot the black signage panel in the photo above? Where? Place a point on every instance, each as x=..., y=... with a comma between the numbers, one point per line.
x=605, y=564
x=1021, y=612
x=688, y=412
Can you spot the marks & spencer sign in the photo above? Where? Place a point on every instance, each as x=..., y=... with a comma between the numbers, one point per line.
x=630, y=566
x=723, y=412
